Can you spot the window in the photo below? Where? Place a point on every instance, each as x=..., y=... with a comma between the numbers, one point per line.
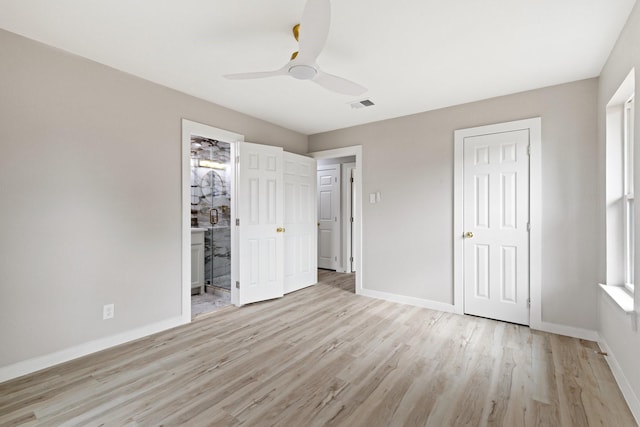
x=620, y=200
x=628, y=199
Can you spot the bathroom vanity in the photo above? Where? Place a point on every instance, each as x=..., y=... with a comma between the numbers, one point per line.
x=197, y=260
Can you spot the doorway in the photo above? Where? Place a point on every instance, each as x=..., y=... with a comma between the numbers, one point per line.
x=497, y=219
x=208, y=210
x=336, y=213
x=249, y=189
x=211, y=176
x=259, y=210
x=350, y=158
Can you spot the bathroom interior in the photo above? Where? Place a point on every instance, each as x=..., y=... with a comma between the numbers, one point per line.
x=210, y=224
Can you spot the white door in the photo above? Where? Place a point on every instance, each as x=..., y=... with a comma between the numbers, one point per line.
x=496, y=215
x=300, y=248
x=260, y=230
x=328, y=213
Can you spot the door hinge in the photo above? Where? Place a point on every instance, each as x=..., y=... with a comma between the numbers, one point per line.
x=528, y=150
x=237, y=285
x=237, y=221
x=351, y=259
x=352, y=179
x=528, y=226
x=237, y=159
x=528, y=302
x=351, y=219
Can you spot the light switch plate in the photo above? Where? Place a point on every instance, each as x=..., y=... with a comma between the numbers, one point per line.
x=108, y=311
x=372, y=197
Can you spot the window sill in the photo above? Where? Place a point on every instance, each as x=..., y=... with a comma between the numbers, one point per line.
x=620, y=296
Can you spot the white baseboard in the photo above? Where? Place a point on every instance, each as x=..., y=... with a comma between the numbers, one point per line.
x=402, y=299
x=569, y=331
x=37, y=363
x=621, y=379
x=554, y=328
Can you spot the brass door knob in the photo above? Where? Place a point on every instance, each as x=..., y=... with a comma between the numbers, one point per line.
x=468, y=234
x=280, y=229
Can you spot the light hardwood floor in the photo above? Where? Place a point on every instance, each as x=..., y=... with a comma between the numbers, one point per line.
x=324, y=356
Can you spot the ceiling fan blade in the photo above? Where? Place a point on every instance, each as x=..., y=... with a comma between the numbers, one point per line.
x=257, y=75
x=314, y=29
x=338, y=84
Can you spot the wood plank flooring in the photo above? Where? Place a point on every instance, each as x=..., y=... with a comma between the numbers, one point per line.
x=324, y=356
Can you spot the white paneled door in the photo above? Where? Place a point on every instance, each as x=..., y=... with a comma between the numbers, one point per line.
x=496, y=216
x=328, y=213
x=300, y=248
x=261, y=226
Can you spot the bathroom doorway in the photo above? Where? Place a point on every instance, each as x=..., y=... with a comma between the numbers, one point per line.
x=211, y=192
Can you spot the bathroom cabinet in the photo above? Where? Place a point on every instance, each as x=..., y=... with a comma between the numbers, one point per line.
x=197, y=260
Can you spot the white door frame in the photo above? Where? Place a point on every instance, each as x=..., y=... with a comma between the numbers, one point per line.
x=356, y=151
x=194, y=128
x=347, y=206
x=534, y=126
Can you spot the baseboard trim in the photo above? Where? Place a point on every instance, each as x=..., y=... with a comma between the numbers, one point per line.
x=25, y=367
x=403, y=299
x=621, y=379
x=569, y=331
x=554, y=328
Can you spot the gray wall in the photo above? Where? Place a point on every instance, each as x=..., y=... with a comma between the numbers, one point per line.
x=613, y=325
x=91, y=196
x=410, y=161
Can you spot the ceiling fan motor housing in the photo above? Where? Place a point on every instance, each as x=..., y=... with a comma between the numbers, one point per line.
x=303, y=72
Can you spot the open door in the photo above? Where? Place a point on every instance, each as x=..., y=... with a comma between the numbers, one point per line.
x=260, y=223
x=300, y=247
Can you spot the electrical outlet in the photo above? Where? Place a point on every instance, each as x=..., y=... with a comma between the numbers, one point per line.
x=107, y=311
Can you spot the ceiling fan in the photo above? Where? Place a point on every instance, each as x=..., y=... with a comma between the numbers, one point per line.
x=311, y=34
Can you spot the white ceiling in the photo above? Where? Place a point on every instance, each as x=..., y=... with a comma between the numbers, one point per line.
x=412, y=55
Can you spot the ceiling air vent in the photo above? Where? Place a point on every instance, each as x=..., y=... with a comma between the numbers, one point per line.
x=362, y=104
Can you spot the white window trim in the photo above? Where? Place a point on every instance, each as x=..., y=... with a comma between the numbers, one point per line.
x=628, y=198
x=621, y=216
x=620, y=296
